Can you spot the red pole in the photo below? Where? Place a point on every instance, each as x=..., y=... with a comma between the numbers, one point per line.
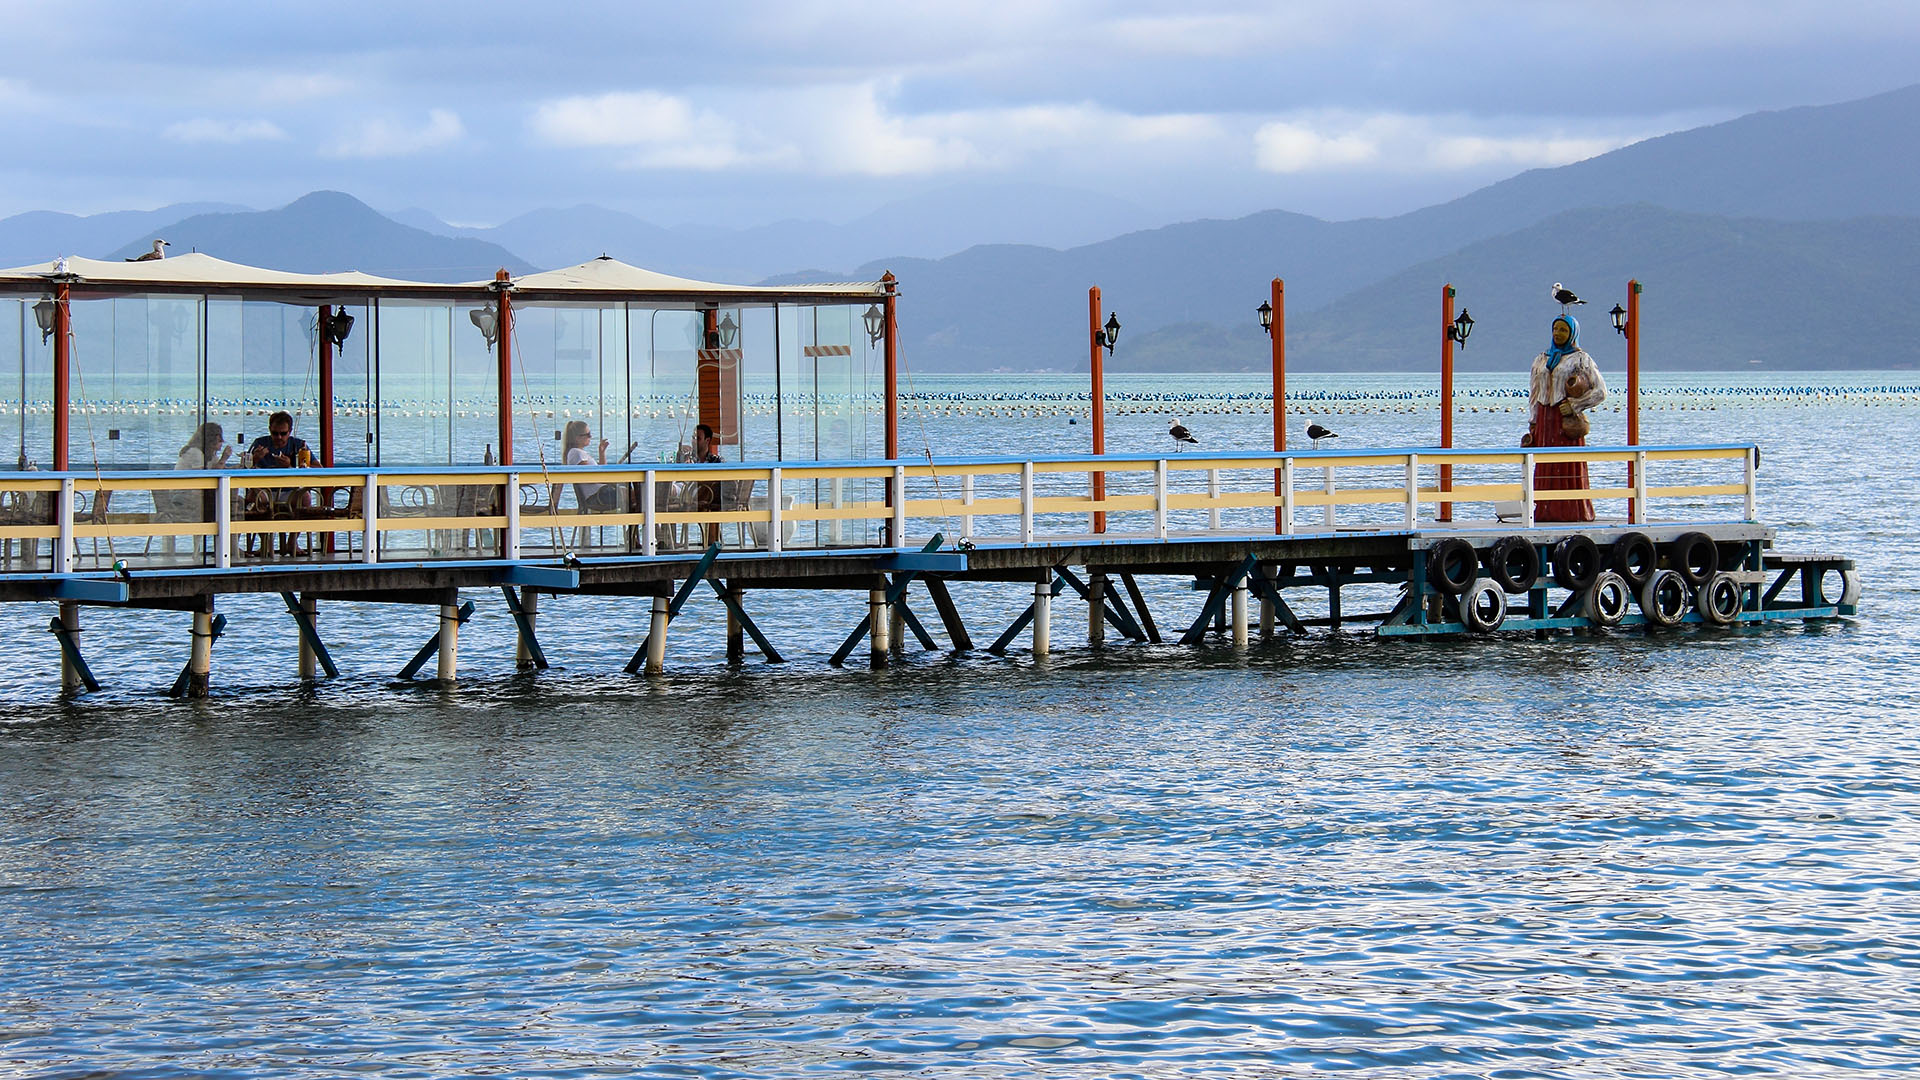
x=1633, y=383
x=326, y=385
x=892, y=365
x=503, y=357
x=1277, y=335
x=62, y=360
x=1446, y=394
x=1098, y=338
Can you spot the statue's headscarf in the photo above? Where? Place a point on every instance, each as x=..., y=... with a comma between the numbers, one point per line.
x=1555, y=353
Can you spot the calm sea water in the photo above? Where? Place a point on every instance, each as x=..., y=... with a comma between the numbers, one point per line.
x=1628, y=855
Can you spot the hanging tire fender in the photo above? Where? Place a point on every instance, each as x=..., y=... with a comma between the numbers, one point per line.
x=1575, y=562
x=1663, y=599
x=1719, y=600
x=1483, y=607
x=1634, y=557
x=1452, y=566
x=1514, y=563
x=1694, y=556
x=1607, y=599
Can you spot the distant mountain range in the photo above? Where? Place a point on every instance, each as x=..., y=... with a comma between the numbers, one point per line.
x=1776, y=239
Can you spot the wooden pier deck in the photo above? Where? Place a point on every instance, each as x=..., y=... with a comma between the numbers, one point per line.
x=1242, y=528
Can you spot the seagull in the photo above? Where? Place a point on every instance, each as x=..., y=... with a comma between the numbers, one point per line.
x=1181, y=434
x=1564, y=296
x=150, y=256
x=1316, y=433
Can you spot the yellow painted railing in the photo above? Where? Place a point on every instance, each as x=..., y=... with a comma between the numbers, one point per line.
x=374, y=515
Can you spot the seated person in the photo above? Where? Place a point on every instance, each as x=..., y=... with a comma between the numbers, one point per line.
x=593, y=498
x=279, y=449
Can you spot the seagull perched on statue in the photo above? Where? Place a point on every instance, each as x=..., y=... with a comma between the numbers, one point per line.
x=1564, y=296
x=1316, y=433
x=158, y=252
x=1181, y=434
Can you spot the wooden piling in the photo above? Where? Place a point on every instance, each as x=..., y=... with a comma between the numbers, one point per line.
x=1096, y=609
x=200, y=661
x=530, y=606
x=736, y=632
x=449, y=651
x=70, y=679
x=1043, y=616
x=657, y=638
x=880, y=623
x=1240, y=613
x=309, y=662
x=1267, y=612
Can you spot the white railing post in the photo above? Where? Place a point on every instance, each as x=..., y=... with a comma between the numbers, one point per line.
x=511, y=547
x=899, y=506
x=370, y=512
x=1753, y=491
x=1160, y=499
x=1328, y=470
x=1026, y=502
x=966, y=502
x=1413, y=491
x=1526, y=491
x=1213, y=500
x=774, y=538
x=223, y=522
x=63, y=507
x=1286, y=497
x=649, y=535
x=1640, y=516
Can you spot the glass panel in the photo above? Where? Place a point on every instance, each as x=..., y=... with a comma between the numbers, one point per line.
x=414, y=377
x=26, y=388
x=353, y=412
x=664, y=397
x=262, y=358
x=136, y=381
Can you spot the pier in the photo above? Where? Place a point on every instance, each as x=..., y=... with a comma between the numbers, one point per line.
x=1251, y=532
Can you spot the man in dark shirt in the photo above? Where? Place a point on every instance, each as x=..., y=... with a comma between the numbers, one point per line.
x=280, y=450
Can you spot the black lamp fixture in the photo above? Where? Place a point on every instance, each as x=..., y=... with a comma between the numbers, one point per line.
x=339, y=325
x=487, y=321
x=1461, y=328
x=1266, y=316
x=45, y=313
x=729, y=330
x=1110, y=334
x=1619, y=316
x=876, y=324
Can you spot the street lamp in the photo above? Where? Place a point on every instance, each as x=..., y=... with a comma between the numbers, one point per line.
x=1110, y=334
x=729, y=330
x=487, y=322
x=45, y=313
x=875, y=321
x=339, y=325
x=1266, y=316
x=1461, y=329
x=1619, y=316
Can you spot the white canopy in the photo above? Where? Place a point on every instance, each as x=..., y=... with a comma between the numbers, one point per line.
x=598, y=279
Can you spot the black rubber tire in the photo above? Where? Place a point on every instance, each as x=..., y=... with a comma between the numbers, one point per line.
x=1663, y=599
x=1452, y=566
x=1694, y=557
x=1634, y=557
x=1576, y=560
x=1608, y=598
x=1483, y=607
x=1513, y=563
x=1720, y=600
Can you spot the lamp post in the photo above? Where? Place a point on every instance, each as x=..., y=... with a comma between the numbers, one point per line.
x=1103, y=340
x=62, y=368
x=1628, y=324
x=1452, y=331
x=1273, y=319
x=503, y=357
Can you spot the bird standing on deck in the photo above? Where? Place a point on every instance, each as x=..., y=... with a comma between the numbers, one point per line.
x=156, y=253
x=1316, y=433
x=1564, y=296
x=1181, y=434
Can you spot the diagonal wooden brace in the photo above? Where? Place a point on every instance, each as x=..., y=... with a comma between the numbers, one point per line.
x=999, y=646
x=746, y=622
x=520, y=619
x=433, y=644
x=679, y=601
x=310, y=634
x=70, y=645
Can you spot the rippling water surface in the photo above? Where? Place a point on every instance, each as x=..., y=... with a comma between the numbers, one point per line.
x=1628, y=855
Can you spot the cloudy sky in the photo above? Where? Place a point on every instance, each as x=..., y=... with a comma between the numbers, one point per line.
x=752, y=112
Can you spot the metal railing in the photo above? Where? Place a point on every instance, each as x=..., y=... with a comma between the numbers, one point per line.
x=59, y=521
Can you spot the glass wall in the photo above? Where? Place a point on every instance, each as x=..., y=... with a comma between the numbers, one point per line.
x=26, y=388
x=666, y=404
x=136, y=391
x=262, y=358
